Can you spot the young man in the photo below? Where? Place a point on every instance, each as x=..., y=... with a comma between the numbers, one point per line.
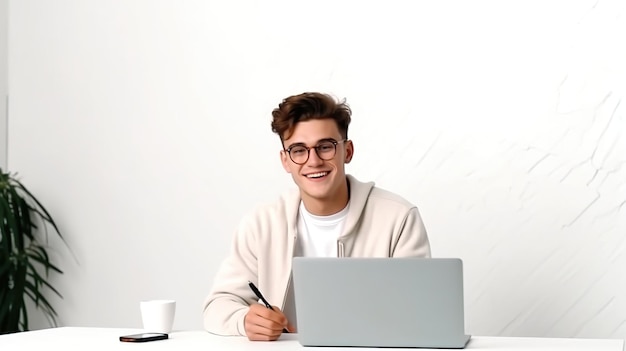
x=331, y=215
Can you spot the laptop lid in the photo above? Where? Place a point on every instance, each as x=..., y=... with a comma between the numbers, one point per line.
x=380, y=302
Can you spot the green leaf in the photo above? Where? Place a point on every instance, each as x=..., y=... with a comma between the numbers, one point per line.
x=40, y=255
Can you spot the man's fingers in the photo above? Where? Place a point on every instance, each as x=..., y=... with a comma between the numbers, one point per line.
x=274, y=315
x=261, y=323
x=261, y=333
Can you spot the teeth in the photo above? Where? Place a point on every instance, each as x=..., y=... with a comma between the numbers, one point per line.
x=317, y=175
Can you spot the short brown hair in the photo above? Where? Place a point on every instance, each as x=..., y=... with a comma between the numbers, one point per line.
x=308, y=106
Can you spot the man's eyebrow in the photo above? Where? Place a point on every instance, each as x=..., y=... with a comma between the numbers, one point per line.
x=317, y=143
x=294, y=144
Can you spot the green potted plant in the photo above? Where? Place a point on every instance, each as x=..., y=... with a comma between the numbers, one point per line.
x=24, y=261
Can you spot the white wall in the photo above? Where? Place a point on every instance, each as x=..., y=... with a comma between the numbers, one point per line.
x=4, y=26
x=144, y=127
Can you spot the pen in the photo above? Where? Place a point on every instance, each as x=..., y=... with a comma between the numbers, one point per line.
x=260, y=296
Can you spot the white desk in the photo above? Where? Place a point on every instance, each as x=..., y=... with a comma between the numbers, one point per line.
x=92, y=339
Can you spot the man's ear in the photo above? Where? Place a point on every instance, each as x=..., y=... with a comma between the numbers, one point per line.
x=284, y=159
x=349, y=151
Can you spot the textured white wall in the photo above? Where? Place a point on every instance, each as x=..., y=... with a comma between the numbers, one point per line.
x=4, y=81
x=144, y=127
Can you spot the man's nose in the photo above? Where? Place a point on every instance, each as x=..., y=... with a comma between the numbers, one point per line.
x=314, y=159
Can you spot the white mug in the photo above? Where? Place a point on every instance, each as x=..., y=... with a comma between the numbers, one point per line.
x=158, y=315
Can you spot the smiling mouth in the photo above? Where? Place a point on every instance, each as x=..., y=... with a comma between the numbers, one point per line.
x=317, y=175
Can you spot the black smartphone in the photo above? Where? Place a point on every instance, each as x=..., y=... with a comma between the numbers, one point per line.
x=143, y=337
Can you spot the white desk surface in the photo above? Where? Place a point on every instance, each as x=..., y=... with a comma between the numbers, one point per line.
x=92, y=339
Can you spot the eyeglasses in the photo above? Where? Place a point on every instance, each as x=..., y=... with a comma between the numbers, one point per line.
x=325, y=150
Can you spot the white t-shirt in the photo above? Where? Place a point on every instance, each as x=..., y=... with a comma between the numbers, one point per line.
x=317, y=237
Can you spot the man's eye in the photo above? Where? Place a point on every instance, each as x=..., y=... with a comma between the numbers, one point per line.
x=298, y=151
x=325, y=147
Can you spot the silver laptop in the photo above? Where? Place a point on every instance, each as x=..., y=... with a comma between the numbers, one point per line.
x=380, y=302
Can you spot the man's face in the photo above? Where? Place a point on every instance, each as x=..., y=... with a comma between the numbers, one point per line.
x=318, y=179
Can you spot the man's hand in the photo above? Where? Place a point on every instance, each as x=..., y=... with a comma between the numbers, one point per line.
x=263, y=324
